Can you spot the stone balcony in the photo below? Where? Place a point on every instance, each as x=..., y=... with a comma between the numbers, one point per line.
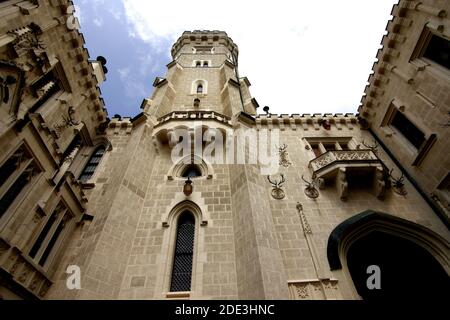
x=337, y=164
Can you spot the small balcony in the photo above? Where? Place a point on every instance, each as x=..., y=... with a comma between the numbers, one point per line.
x=360, y=167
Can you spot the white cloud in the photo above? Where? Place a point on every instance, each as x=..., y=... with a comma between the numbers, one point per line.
x=301, y=56
x=133, y=88
x=98, y=22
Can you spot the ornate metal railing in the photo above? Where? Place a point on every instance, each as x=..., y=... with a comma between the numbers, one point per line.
x=342, y=156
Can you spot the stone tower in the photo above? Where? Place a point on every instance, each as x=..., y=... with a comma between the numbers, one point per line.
x=145, y=224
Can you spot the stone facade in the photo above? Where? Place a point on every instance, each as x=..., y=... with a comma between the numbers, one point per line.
x=253, y=239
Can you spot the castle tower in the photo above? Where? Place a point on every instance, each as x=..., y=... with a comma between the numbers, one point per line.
x=202, y=76
x=122, y=206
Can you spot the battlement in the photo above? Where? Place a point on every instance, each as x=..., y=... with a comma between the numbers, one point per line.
x=204, y=38
x=307, y=121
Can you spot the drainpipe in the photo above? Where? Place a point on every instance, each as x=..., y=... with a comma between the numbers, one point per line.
x=430, y=202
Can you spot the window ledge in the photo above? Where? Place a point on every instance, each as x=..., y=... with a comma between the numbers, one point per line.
x=178, y=295
x=87, y=185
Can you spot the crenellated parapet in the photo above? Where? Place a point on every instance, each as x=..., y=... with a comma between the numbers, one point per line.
x=204, y=38
x=307, y=121
x=390, y=61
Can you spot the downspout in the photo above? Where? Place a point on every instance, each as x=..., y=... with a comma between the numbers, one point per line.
x=430, y=202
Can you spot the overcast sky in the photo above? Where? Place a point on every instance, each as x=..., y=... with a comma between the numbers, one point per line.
x=300, y=56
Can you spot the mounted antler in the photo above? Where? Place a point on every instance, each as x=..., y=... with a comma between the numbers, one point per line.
x=309, y=184
x=277, y=192
x=398, y=183
x=373, y=147
x=310, y=189
x=283, y=148
x=277, y=184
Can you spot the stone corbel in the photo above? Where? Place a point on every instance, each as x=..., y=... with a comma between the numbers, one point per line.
x=156, y=144
x=342, y=184
x=380, y=183
x=409, y=80
x=171, y=137
x=431, y=10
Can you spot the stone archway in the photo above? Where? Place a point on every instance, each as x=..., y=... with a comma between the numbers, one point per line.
x=413, y=261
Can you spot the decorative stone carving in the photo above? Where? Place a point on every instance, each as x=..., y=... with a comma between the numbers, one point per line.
x=305, y=224
x=342, y=184
x=342, y=156
x=11, y=80
x=284, y=156
x=314, y=289
x=197, y=114
x=27, y=38
x=380, y=183
x=277, y=192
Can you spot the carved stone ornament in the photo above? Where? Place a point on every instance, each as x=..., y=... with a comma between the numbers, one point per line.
x=284, y=156
x=11, y=79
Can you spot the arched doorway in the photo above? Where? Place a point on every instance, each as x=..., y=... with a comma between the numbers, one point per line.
x=413, y=261
x=407, y=270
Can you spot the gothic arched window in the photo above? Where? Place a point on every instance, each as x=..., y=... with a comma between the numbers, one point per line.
x=93, y=163
x=200, y=88
x=191, y=171
x=184, y=250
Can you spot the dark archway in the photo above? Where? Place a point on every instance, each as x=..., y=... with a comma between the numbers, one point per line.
x=413, y=260
x=406, y=269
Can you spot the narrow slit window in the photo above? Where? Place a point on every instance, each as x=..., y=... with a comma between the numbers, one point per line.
x=17, y=187
x=50, y=235
x=200, y=88
x=184, y=249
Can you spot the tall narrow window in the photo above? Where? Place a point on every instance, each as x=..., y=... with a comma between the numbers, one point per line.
x=184, y=249
x=89, y=170
x=50, y=234
x=408, y=129
x=17, y=172
x=199, y=88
